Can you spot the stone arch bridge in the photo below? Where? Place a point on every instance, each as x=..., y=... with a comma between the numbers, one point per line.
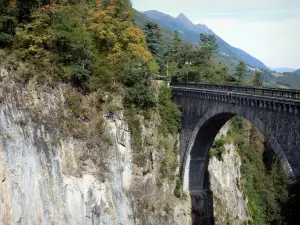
x=207, y=107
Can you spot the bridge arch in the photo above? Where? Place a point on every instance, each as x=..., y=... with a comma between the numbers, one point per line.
x=203, y=135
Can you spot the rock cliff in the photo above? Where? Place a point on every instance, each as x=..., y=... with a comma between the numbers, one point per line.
x=230, y=205
x=48, y=178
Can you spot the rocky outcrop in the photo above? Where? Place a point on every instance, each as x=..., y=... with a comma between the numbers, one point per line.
x=47, y=178
x=40, y=179
x=230, y=206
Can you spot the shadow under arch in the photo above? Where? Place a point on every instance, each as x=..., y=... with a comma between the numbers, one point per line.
x=195, y=156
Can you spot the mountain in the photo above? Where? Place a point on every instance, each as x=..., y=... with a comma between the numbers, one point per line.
x=190, y=32
x=182, y=19
x=282, y=70
x=290, y=80
x=297, y=72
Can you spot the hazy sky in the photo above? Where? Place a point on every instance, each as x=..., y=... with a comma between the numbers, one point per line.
x=267, y=29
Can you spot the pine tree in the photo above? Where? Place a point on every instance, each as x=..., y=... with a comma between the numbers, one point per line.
x=240, y=71
x=175, y=47
x=257, y=79
x=154, y=42
x=209, y=46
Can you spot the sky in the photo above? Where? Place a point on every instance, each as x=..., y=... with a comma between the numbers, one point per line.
x=267, y=29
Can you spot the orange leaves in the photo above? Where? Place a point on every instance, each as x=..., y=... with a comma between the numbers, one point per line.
x=134, y=35
x=139, y=51
x=13, y=4
x=118, y=37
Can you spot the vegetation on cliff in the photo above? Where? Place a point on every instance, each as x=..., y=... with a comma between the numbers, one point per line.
x=270, y=199
x=94, y=50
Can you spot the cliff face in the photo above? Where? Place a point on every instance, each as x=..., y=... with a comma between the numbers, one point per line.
x=48, y=179
x=230, y=206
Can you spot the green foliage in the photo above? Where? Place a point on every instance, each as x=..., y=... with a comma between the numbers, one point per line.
x=139, y=92
x=78, y=129
x=74, y=101
x=169, y=112
x=34, y=38
x=257, y=79
x=169, y=163
x=25, y=8
x=209, y=46
x=8, y=22
x=178, y=191
x=240, y=71
x=186, y=62
x=134, y=125
x=73, y=42
x=155, y=43
x=178, y=188
x=100, y=129
x=217, y=149
x=266, y=189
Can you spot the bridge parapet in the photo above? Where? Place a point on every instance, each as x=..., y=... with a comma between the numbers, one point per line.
x=261, y=91
x=280, y=100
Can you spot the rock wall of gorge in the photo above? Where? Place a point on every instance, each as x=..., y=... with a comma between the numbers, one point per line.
x=47, y=178
x=230, y=205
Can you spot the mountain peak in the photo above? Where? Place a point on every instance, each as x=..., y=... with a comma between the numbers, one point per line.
x=181, y=15
x=181, y=18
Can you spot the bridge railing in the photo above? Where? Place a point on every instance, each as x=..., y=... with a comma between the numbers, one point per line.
x=263, y=91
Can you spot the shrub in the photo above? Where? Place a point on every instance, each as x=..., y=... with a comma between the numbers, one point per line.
x=217, y=149
x=134, y=125
x=112, y=108
x=78, y=129
x=178, y=188
x=139, y=92
x=169, y=112
x=74, y=100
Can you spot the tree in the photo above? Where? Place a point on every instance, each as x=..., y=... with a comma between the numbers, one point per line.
x=137, y=80
x=123, y=8
x=240, y=71
x=208, y=46
x=8, y=22
x=257, y=79
x=25, y=8
x=175, y=47
x=154, y=42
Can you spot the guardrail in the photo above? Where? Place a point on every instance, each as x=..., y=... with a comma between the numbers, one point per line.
x=263, y=91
